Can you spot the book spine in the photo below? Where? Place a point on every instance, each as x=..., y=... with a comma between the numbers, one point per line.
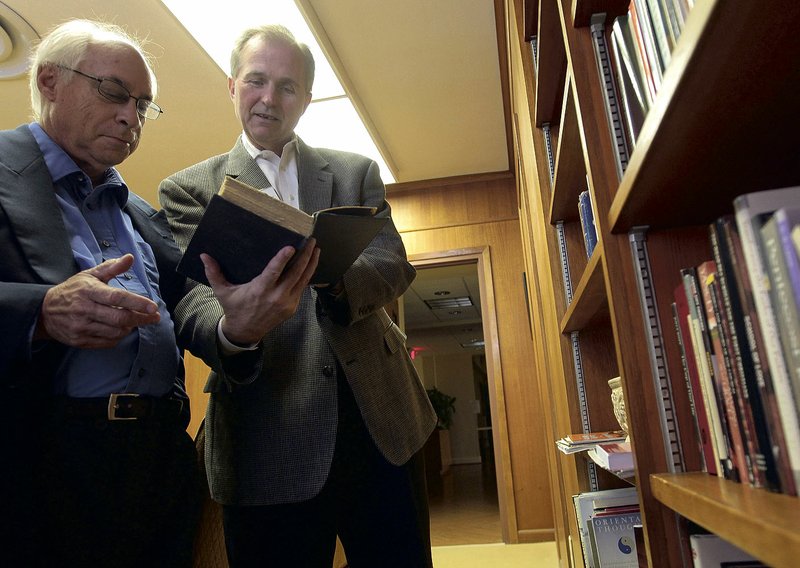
x=749, y=218
x=702, y=356
x=586, y=215
x=636, y=29
x=660, y=32
x=749, y=403
x=757, y=358
x=725, y=378
x=693, y=381
x=785, y=220
x=649, y=41
x=699, y=436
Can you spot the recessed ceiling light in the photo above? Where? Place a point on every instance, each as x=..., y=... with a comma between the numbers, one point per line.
x=16, y=43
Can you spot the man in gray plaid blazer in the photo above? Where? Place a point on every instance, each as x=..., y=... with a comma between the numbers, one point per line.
x=321, y=439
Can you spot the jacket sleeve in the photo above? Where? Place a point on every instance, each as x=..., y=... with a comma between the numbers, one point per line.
x=382, y=273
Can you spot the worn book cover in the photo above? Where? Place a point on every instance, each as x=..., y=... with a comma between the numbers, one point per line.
x=243, y=228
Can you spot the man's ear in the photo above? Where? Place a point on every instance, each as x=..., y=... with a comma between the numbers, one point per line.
x=47, y=79
x=232, y=87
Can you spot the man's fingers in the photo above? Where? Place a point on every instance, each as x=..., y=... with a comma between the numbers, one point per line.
x=112, y=268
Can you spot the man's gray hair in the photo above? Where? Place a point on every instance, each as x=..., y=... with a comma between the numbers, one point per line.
x=67, y=44
x=272, y=32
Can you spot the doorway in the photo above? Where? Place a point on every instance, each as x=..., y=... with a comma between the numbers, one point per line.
x=445, y=321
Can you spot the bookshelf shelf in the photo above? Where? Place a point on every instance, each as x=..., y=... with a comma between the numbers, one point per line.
x=739, y=120
x=762, y=523
x=582, y=10
x=589, y=307
x=552, y=64
x=570, y=177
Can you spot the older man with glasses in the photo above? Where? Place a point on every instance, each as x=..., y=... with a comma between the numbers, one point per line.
x=97, y=467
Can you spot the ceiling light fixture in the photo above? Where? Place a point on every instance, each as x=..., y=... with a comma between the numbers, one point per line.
x=16, y=43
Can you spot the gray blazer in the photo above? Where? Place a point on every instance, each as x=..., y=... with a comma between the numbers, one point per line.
x=270, y=438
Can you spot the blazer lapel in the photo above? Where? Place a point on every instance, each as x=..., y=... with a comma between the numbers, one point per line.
x=315, y=184
x=29, y=201
x=244, y=168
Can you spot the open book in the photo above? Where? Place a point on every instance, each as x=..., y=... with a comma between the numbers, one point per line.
x=243, y=228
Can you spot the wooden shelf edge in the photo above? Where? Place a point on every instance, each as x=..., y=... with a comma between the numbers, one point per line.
x=589, y=306
x=762, y=523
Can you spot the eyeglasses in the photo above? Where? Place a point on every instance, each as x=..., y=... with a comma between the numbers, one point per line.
x=116, y=93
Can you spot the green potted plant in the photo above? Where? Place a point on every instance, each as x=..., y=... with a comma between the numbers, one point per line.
x=444, y=405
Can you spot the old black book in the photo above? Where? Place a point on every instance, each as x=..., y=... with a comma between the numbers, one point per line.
x=243, y=228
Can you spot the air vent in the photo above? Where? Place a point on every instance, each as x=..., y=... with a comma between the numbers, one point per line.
x=449, y=303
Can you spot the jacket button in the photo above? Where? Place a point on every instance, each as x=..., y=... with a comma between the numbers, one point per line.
x=327, y=370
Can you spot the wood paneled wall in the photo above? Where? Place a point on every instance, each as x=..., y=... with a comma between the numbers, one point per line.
x=480, y=214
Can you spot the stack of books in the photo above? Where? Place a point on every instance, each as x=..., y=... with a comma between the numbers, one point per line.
x=574, y=443
x=606, y=521
x=616, y=457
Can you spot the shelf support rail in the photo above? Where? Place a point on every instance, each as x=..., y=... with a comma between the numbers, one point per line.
x=615, y=124
x=535, y=54
x=655, y=346
x=568, y=293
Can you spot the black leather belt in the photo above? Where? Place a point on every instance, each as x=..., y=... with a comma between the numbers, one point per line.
x=119, y=406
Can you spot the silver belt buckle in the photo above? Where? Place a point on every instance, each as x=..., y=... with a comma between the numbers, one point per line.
x=113, y=406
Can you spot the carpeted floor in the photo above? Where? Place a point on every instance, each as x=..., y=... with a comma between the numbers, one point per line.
x=534, y=555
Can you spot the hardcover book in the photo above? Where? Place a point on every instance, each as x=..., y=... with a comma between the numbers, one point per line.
x=613, y=541
x=751, y=359
x=723, y=369
x=784, y=275
x=586, y=214
x=752, y=211
x=751, y=406
x=701, y=344
x=243, y=228
x=588, y=504
x=692, y=376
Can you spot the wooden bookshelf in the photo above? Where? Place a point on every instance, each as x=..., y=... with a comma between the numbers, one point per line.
x=724, y=122
x=589, y=307
x=763, y=523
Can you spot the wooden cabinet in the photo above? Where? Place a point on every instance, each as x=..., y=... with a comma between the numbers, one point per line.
x=725, y=121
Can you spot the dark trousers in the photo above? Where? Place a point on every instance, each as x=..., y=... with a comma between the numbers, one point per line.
x=378, y=510
x=117, y=494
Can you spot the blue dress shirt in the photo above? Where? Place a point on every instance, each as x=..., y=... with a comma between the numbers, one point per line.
x=146, y=361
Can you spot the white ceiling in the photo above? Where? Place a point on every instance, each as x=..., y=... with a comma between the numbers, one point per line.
x=425, y=75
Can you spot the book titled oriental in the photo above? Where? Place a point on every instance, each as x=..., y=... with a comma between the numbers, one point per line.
x=242, y=228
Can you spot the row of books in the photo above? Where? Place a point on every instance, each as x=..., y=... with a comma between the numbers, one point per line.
x=607, y=523
x=737, y=321
x=642, y=42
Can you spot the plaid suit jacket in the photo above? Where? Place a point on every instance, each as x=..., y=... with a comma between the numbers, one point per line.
x=270, y=436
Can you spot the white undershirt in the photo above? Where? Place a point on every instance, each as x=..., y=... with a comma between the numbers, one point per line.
x=280, y=171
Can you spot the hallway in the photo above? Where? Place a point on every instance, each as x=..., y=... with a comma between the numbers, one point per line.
x=465, y=525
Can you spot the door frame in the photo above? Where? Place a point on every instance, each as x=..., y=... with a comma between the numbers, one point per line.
x=502, y=449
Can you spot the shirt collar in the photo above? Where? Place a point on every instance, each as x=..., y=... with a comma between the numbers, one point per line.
x=60, y=165
x=288, y=149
